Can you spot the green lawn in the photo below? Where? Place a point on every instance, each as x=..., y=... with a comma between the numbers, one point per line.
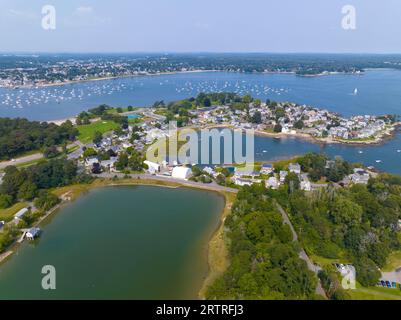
x=87, y=131
x=8, y=214
x=374, y=293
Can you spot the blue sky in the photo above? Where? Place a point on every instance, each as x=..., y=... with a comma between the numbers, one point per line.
x=201, y=25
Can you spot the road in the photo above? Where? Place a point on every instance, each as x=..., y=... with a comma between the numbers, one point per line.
x=208, y=186
x=21, y=160
x=302, y=253
x=36, y=156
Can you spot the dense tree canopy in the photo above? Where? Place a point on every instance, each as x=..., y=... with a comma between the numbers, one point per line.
x=20, y=135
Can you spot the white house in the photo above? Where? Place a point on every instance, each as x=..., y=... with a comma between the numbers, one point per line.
x=245, y=182
x=305, y=183
x=360, y=176
x=266, y=168
x=283, y=175
x=20, y=213
x=32, y=233
x=181, y=173
x=109, y=164
x=295, y=168
x=89, y=162
x=272, y=182
x=153, y=167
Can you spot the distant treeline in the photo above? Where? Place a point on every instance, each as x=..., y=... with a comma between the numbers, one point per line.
x=18, y=136
x=41, y=67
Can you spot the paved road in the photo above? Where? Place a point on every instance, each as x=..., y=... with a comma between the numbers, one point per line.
x=21, y=160
x=209, y=186
x=302, y=253
x=37, y=156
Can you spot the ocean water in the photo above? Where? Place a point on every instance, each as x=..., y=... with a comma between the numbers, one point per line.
x=379, y=92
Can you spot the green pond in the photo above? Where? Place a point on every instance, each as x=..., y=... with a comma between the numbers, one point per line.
x=125, y=242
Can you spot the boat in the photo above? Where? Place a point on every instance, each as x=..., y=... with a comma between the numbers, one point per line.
x=355, y=91
x=398, y=150
x=378, y=161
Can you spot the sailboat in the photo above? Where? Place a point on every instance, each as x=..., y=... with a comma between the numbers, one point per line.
x=355, y=91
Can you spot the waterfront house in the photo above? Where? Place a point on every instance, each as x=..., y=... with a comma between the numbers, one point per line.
x=266, y=168
x=283, y=175
x=305, y=183
x=360, y=176
x=272, y=182
x=32, y=233
x=245, y=182
x=20, y=214
x=209, y=170
x=246, y=172
x=109, y=164
x=2, y=223
x=295, y=168
x=89, y=162
x=153, y=167
x=181, y=173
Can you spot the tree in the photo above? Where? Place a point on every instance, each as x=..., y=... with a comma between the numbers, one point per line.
x=292, y=181
x=27, y=190
x=98, y=136
x=130, y=108
x=345, y=211
x=51, y=152
x=136, y=160
x=366, y=271
x=5, y=201
x=256, y=117
x=46, y=200
x=277, y=128
x=299, y=124
x=122, y=161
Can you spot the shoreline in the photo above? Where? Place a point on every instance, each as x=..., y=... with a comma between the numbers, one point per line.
x=387, y=134
x=69, y=82
x=146, y=74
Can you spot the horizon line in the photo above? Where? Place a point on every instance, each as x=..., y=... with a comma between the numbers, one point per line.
x=200, y=52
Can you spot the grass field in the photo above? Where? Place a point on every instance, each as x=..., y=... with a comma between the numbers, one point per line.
x=8, y=214
x=87, y=131
x=374, y=293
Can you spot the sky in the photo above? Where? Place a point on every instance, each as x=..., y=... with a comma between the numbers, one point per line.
x=201, y=26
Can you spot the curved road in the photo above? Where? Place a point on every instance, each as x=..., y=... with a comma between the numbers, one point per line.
x=302, y=253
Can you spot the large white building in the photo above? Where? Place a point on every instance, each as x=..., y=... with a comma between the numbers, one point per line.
x=181, y=173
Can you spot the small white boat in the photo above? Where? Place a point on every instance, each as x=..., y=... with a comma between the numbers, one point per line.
x=398, y=151
x=360, y=151
x=378, y=161
x=355, y=91
x=264, y=151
